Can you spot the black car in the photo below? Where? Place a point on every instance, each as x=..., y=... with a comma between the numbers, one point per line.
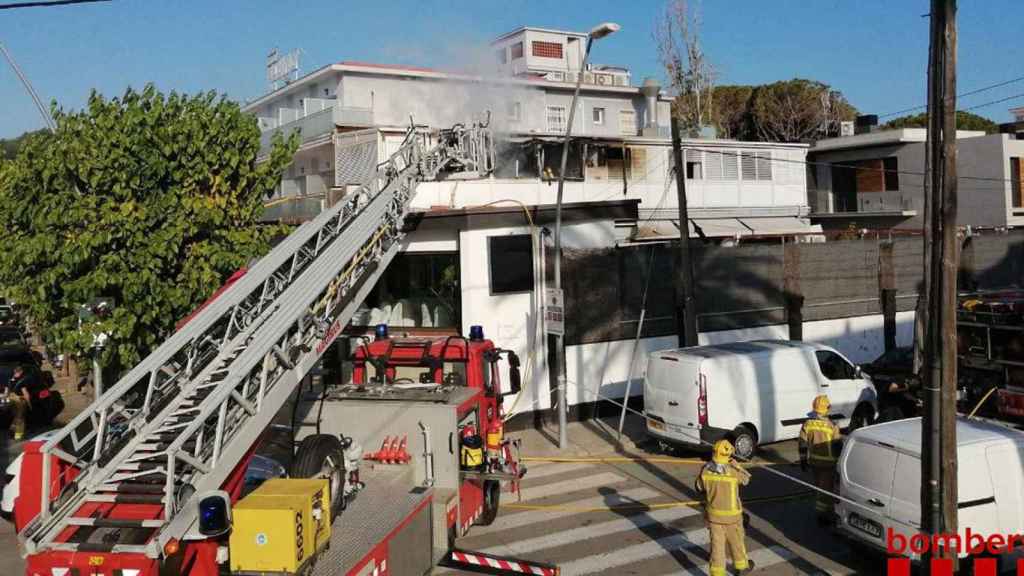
x=12, y=336
x=47, y=403
x=895, y=382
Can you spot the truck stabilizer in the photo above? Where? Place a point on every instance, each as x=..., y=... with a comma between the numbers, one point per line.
x=500, y=565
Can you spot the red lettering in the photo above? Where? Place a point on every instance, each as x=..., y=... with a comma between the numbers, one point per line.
x=919, y=544
x=975, y=542
x=947, y=542
x=895, y=543
x=995, y=543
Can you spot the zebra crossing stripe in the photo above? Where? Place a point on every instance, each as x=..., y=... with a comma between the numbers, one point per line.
x=574, y=485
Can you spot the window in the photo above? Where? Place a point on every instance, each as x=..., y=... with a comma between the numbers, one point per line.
x=616, y=160
x=501, y=55
x=627, y=122
x=730, y=160
x=514, y=111
x=1017, y=182
x=517, y=50
x=599, y=116
x=546, y=49
x=834, y=367
x=553, y=160
x=892, y=176
x=511, y=263
x=556, y=119
x=756, y=165
x=418, y=290
x=694, y=171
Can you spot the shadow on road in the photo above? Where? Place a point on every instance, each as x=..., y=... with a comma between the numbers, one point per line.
x=670, y=539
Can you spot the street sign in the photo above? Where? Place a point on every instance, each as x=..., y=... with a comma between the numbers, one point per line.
x=554, y=311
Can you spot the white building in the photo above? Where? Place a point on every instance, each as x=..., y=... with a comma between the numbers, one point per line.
x=471, y=259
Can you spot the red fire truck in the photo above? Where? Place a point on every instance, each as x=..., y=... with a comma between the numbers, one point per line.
x=990, y=342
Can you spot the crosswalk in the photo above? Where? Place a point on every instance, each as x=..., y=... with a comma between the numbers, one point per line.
x=576, y=530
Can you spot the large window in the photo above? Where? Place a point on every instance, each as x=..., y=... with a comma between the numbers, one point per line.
x=556, y=119
x=517, y=50
x=599, y=116
x=546, y=49
x=552, y=153
x=511, y=263
x=756, y=165
x=418, y=290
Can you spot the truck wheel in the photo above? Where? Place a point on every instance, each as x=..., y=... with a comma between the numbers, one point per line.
x=492, y=498
x=744, y=440
x=321, y=456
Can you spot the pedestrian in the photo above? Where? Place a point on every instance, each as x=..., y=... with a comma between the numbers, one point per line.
x=18, y=395
x=719, y=481
x=819, y=439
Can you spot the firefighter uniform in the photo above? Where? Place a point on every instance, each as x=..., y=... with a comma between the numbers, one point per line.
x=818, y=450
x=719, y=482
x=18, y=397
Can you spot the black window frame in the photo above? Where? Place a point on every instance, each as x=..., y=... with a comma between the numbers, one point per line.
x=824, y=356
x=523, y=283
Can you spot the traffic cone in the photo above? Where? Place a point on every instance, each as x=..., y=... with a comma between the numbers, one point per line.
x=401, y=455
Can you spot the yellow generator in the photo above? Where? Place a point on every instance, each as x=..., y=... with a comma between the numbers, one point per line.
x=280, y=527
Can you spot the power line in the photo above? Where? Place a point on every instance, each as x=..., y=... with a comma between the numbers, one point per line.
x=46, y=3
x=982, y=105
x=965, y=94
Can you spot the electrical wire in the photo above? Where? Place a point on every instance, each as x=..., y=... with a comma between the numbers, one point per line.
x=46, y=3
x=964, y=95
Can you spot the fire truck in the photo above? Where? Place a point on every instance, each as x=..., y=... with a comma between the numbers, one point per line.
x=990, y=342
x=148, y=479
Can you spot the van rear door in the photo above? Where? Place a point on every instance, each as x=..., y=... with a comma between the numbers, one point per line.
x=867, y=470
x=671, y=391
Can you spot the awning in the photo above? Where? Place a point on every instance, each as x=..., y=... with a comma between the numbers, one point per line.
x=655, y=230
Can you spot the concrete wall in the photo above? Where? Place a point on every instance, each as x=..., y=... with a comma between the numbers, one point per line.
x=981, y=202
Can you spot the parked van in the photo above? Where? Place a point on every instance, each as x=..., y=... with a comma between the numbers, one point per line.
x=880, y=469
x=750, y=392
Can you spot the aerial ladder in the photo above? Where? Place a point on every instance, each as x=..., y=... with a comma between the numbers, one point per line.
x=124, y=474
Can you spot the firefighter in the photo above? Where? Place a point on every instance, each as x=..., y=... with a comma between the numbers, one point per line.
x=18, y=395
x=719, y=481
x=818, y=449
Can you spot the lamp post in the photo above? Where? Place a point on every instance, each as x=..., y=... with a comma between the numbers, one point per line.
x=598, y=32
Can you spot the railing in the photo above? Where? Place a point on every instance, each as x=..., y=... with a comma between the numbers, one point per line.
x=319, y=124
x=826, y=202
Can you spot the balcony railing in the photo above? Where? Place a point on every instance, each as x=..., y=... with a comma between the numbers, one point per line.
x=825, y=202
x=319, y=124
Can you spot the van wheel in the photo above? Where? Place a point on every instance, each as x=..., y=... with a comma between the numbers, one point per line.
x=744, y=440
x=321, y=456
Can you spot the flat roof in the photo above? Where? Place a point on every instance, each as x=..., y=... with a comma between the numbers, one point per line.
x=536, y=29
x=883, y=138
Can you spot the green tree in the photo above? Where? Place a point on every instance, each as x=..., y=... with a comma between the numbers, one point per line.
x=964, y=121
x=799, y=110
x=150, y=199
x=9, y=147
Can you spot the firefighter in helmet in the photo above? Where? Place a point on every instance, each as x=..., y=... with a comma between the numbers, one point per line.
x=719, y=481
x=819, y=439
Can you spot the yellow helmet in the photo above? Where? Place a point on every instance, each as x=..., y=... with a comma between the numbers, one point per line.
x=722, y=451
x=821, y=404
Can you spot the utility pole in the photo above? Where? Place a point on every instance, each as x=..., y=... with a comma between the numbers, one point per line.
x=686, y=315
x=938, y=442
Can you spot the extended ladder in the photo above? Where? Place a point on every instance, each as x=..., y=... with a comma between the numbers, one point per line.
x=184, y=418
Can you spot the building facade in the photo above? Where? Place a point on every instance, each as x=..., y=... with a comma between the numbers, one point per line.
x=876, y=180
x=473, y=256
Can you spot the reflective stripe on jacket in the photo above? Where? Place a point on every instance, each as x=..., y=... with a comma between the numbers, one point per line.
x=817, y=436
x=720, y=486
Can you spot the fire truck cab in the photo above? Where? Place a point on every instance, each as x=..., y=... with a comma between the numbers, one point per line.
x=433, y=407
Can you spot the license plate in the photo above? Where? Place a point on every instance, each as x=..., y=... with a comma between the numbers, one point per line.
x=869, y=527
x=655, y=424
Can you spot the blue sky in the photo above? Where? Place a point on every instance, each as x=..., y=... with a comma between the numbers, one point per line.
x=874, y=51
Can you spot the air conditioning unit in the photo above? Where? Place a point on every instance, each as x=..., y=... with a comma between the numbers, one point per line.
x=602, y=79
x=846, y=128
x=572, y=77
x=555, y=76
x=588, y=78
x=621, y=80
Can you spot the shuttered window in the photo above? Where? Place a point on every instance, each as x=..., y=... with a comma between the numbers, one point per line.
x=627, y=122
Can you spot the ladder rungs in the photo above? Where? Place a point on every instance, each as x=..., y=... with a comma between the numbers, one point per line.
x=127, y=498
x=114, y=522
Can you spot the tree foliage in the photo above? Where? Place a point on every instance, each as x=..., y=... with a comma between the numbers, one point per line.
x=796, y=110
x=152, y=200
x=9, y=147
x=964, y=121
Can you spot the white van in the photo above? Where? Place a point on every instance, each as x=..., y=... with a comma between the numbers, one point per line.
x=880, y=468
x=751, y=392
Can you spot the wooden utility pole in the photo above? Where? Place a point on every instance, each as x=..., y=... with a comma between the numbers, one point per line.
x=938, y=442
x=686, y=314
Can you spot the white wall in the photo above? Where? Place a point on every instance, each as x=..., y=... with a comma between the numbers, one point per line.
x=604, y=367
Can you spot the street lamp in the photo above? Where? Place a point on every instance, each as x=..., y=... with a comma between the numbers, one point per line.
x=596, y=33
